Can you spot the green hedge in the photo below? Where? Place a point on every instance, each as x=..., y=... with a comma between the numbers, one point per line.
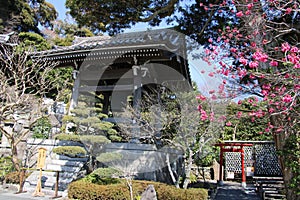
x=71, y=151
x=87, y=191
x=103, y=176
x=68, y=137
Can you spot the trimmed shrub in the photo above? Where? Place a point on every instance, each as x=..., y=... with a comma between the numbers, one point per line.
x=103, y=176
x=14, y=177
x=6, y=166
x=106, y=172
x=109, y=157
x=86, y=191
x=94, y=139
x=71, y=151
x=68, y=137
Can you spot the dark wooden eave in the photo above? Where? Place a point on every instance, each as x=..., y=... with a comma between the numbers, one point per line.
x=162, y=45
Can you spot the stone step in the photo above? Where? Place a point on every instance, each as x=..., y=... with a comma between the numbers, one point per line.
x=35, y=174
x=51, y=181
x=51, y=176
x=63, y=168
x=66, y=162
x=50, y=184
x=48, y=142
x=62, y=157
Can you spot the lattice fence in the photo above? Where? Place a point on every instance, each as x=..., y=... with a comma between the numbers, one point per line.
x=262, y=156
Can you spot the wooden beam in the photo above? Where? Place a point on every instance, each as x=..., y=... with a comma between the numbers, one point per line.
x=106, y=88
x=105, y=75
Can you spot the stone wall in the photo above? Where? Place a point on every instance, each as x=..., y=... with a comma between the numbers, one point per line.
x=145, y=161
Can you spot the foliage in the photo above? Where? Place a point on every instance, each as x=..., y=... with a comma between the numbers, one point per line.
x=259, y=55
x=94, y=143
x=14, y=177
x=25, y=15
x=83, y=190
x=88, y=118
x=63, y=28
x=106, y=172
x=176, y=118
x=62, y=84
x=109, y=157
x=41, y=128
x=206, y=159
x=35, y=40
x=95, y=139
x=64, y=33
x=71, y=151
x=60, y=78
x=241, y=124
x=68, y=137
x=119, y=15
x=6, y=166
x=291, y=150
x=103, y=176
x=23, y=87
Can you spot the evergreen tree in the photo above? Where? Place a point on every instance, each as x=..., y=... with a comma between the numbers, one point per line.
x=87, y=118
x=18, y=15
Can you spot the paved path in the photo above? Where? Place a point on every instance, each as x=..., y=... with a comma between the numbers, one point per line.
x=234, y=191
x=229, y=191
x=11, y=195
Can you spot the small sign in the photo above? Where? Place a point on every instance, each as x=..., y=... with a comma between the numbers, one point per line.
x=40, y=164
x=230, y=175
x=250, y=171
x=41, y=157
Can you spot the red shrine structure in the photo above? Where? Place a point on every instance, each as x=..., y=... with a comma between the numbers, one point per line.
x=232, y=147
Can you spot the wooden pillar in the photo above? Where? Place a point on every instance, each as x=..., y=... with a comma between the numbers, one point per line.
x=243, y=167
x=75, y=91
x=158, y=120
x=221, y=166
x=137, y=95
x=105, y=102
x=56, y=187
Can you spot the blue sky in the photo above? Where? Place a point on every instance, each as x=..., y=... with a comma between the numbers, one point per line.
x=204, y=82
x=60, y=7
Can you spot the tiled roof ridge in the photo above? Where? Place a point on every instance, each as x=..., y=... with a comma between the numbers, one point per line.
x=147, y=37
x=79, y=40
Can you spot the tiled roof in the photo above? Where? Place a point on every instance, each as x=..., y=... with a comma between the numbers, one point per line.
x=171, y=39
x=162, y=44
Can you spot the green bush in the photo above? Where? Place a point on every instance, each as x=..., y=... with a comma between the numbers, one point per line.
x=14, y=177
x=94, y=139
x=106, y=172
x=41, y=128
x=109, y=157
x=84, y=190
x=103, y=176
x=71, y=151
x=68, y=137
x=6, y=166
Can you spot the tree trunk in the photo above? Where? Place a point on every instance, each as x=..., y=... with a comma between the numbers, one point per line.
x=188, y=169
x=21, y=181
x=280, y=140
x=129, y=184
x=174, y=180
x=15, y=158
x=17, y=165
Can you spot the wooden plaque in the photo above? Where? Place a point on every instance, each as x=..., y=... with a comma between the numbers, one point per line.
x=41, y=157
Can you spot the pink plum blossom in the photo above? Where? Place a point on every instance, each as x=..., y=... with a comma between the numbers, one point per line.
x=239, y=14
